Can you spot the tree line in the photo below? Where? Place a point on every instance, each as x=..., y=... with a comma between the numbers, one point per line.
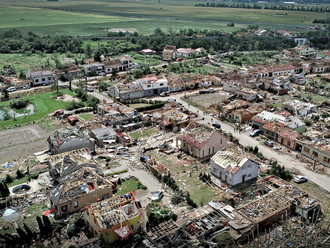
x=290, y=7
x=13, y=42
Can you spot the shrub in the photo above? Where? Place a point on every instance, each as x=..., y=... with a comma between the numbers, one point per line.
x=255, y=150
x=259, y=155
x=19, y=174
x=107, y=159
x=75, y=105
x=35, y=175
x=83, y=110
x=19, y=104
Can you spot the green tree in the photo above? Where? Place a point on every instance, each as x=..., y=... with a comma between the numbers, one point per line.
x=5, y=93
x=41, y=226
x=54, y=85
x=219, y=109
x=88, y=50
x=47, y=225
x=114, y=72
x=9, y=179
x=19, y=174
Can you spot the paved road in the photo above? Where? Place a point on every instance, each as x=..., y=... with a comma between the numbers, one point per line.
x=244, y=139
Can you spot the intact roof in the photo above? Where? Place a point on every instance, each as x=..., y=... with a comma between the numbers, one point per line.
x=184, y=50
x=147, y=51
x=229, y=161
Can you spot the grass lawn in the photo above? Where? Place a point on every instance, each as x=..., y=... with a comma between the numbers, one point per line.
x=138, y=105
x=44, y=104
x=18, y=181
x=127, y=186
x=28, y=217
x=144, y=133
x=86, y=117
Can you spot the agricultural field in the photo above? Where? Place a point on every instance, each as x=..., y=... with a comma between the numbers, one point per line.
x=22, y=62
x=96, y=18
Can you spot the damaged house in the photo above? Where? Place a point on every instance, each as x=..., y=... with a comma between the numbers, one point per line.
x=233, y=168
x=126, y=91
x=68, y=140
x=116, y=218
x=78, y=190
x=104, y=135
x=201, y=141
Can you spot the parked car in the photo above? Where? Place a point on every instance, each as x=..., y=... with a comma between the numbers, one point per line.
x=58, y=112
x=171, y=100
x=102, y=74
x=167, y=93
x=73, y=120
x=11, y=89
x=122, y=149
x=202, y=92
x=157, y=196
x=63, y=86
x=255, y=133
x=90, y=89
x=27, y=87
x=211, y=90
x=269, y=143
x=179, y=59
x=300, y=179
x=216, y=125
x=144, y=158
x=17, y=96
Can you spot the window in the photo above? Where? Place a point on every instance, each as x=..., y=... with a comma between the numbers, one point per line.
x=220, y=141
x=326, y=160
x=215, y=169
x=315, y=154
x=75, y=204
x=43, y=79
x=37, y=80
x=49, y=78
x=243, y=167
x=161, y=84
x=249, y=175
x=213, y=149
x=148, y=85
x=306, y=149
x=249, y=166
x=209, y=150
x=289, y=143
x=203, y=153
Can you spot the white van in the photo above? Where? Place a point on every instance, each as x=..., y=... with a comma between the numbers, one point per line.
x=171, y=100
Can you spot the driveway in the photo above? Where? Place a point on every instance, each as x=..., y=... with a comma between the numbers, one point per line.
x=284, y=160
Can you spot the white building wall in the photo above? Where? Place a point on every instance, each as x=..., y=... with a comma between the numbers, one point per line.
x=249, y=169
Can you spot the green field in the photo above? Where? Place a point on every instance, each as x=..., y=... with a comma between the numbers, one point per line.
x=24, y=62
x=95, y=18
x=44, y=104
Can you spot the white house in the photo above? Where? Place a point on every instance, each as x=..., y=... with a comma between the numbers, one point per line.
x=40, y=76
x=233, y=168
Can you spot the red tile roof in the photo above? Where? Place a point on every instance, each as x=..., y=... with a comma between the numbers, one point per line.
x=287, y=133
x=271, y=126
x=326, y=53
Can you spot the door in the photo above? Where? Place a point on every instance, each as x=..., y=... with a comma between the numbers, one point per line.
x=243, y=178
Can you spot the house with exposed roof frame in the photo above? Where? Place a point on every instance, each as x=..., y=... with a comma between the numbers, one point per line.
x=233, y=168
x=201, y=141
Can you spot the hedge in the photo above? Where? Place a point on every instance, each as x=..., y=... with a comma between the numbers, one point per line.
x=84, y=110
x=115, y=173
x=150, y=107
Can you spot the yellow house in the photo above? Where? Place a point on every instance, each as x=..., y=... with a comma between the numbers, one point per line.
x=318, y=152
x=117, y=218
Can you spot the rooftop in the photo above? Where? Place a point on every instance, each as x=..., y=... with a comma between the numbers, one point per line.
x=116, y=210
x=229, y=161
x=197, y=134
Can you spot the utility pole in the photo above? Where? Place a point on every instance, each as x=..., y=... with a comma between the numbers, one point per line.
x=185, y=88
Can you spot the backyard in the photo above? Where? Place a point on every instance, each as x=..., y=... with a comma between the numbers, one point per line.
x=44, y=104
x=144, y=133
